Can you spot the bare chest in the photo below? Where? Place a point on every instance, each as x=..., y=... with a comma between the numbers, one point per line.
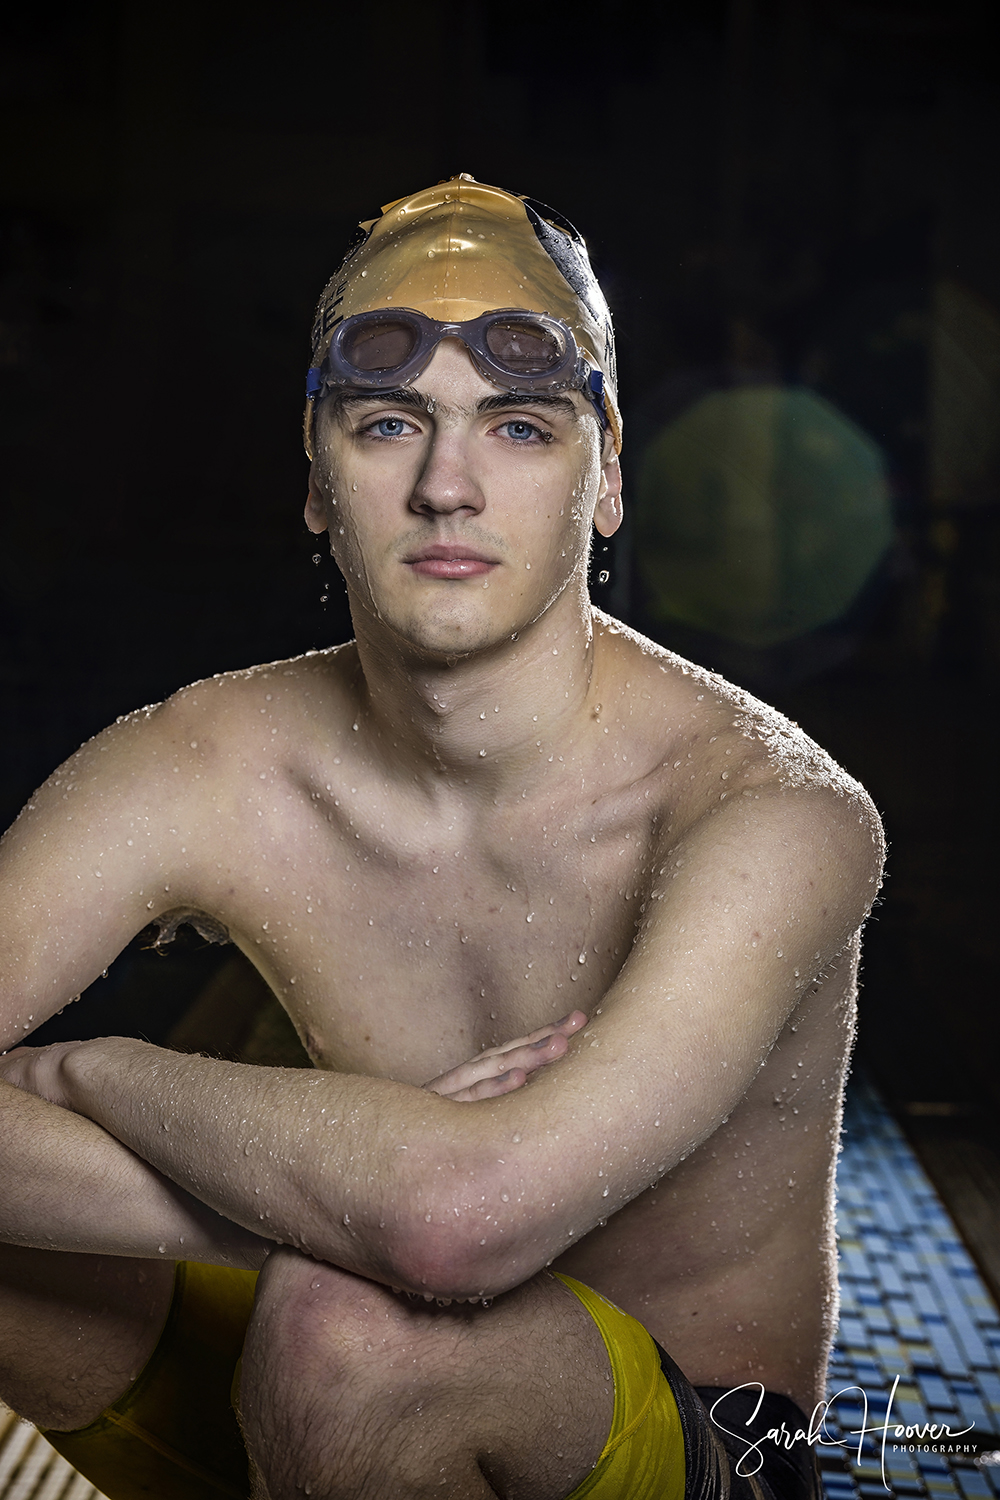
x=401, y=947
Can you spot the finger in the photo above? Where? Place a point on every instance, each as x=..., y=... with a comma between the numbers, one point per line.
x=538, y=1054
x=526, y=1052
x=492, y=1088
x=543, y=1046
x=488, y=1068
x=488, y=1065
x=566, y=1026
x=485, y=1070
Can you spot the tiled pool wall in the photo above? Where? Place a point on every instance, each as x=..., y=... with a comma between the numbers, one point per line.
x=917, y=1328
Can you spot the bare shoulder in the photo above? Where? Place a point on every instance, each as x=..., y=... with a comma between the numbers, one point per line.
x=144, y=819
x=227, y=710
x=220, y=722
x=725, y=760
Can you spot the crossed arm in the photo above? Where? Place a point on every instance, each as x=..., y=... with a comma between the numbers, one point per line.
x=216, y=1160
x=76, y=1186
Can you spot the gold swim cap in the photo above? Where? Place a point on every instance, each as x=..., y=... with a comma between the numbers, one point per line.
x=461, y=249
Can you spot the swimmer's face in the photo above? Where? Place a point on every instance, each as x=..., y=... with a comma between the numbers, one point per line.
x=460, y=514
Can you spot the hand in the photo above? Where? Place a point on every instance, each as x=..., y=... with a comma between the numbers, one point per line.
x=39, y=1071
x=501, y=1070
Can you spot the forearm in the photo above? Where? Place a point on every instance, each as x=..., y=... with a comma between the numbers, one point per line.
x=69, y=1185
x=326, y=1162
x=393, y=1182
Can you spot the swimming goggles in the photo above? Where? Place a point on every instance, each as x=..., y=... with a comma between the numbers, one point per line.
x=513, y=349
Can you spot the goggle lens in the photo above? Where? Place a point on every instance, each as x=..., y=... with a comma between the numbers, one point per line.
x=383, y=346
x=524, y=348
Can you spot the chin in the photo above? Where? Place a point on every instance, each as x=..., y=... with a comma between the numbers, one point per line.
x=450, y=638
x=452, y=644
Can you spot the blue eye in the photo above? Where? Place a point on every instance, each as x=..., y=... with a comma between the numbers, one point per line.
x=390, y=427
x=520, y=431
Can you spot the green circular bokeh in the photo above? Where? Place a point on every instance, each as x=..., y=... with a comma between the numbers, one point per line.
x=760, y=513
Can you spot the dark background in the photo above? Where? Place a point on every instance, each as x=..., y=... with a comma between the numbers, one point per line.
x=807, y=191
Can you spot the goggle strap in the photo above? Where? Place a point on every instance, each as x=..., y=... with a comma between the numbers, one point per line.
x=596, y=389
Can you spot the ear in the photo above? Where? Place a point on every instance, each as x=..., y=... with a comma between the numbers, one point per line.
x=608, y=512
x=315, y=511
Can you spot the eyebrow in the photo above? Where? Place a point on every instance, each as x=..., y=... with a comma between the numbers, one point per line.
x=416, y=400
x=526, y=398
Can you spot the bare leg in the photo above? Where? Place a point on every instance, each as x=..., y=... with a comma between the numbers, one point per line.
x=352, y=1393
x=75, y=1330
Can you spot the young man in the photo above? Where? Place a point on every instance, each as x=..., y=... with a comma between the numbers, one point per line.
x=494, y=807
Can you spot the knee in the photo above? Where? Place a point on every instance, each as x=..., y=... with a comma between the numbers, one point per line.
x=331, y=1363
x=315, y=1319
x=327, y=1347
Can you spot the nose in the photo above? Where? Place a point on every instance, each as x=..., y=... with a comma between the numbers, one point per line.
x=446, y=483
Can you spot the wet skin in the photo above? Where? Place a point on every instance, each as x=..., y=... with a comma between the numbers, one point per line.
x=494, y=808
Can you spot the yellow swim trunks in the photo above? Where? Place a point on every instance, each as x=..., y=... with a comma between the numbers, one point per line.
x=643, y=1458
x=670, y=1440
x=174, y=1434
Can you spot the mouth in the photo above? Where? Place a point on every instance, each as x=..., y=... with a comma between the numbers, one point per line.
x=450, y=560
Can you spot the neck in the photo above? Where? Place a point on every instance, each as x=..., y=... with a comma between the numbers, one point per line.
x=497, y=722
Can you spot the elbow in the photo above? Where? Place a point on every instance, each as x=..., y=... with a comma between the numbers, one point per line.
x=454, y=1251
